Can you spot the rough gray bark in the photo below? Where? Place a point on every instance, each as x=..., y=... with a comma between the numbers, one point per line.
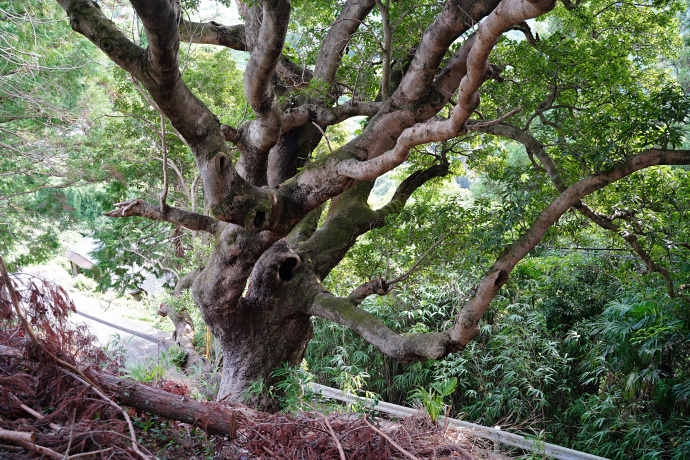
x=184, y=325
x=262, y=282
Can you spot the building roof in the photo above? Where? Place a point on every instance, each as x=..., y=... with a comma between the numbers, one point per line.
x=80, y=253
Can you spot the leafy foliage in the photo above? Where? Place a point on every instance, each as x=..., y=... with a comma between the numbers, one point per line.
x=44, y=100
x=433, y=399
x=577, y=345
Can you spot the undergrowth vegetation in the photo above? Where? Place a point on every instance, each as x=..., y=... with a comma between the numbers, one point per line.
x=579, y=350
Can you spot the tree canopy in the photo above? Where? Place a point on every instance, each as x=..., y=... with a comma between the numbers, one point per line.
x=42, y=120
x=558, y=111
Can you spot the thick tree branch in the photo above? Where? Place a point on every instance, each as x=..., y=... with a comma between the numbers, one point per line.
x=88, y=19
x=302, y=131
x=292, y=74
x=449, y=78
x=527, y=32
x=331, y=175
x=457, y=17
x=327, y=116
x=212, y=33
x=536, y=148
x=291, y=149
x=266, y=36
x=405, y=348
x=306, y=227
x=350, y=216
x=361, y=292
x=333, y=46
x=232, y=199
x=160, y=19
x=506, y=14
x=408, y=186
x=466, y=325
x=190, y=220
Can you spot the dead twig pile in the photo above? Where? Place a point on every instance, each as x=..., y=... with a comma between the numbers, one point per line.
x=315, y=436
x=56, y=401
x=43, y=407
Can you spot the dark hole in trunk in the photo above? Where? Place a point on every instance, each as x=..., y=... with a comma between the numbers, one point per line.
x=221, y=162
x=285, y=270
x=259, y=219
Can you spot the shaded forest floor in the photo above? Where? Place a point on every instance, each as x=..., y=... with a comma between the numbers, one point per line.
x=57, y=414
x=55, y=402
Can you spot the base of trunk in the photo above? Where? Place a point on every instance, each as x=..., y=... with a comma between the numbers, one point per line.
x=252, y=355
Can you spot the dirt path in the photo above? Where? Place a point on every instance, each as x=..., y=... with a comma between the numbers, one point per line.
x=140, y=340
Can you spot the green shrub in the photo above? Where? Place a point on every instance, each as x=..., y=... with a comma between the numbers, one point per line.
x=85, y=284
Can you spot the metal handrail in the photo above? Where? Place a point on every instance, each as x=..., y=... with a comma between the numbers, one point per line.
x=495, y=434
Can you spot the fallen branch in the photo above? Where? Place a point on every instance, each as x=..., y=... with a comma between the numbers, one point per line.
x=10, y=352
x=68, y=368
x=388, y=438
x=213, y=417
x=89, y=454
x=26, y=440
x=132, y=433
x=25, y=322
x=335, y=438
x=36, y=414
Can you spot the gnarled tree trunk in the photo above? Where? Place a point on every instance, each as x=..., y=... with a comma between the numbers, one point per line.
x=269, y=326
x=262, y=282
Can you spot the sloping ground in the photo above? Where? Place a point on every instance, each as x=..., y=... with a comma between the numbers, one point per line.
x=139, y=339
x=80, y=420
x=58, y=391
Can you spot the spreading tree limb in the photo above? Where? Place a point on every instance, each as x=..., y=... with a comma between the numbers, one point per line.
x=339, y=34
x=478, y=71
x=213, y=33
x=536, y=148
x=232, y=199
x=233, y=37
x=187, y=219
x=327, y=116
x=351, y=216
x=267, y=24
x=466, y=324
x=465, y=328
x=404, y=348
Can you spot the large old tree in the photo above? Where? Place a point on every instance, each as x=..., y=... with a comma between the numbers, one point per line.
x=283, y=218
